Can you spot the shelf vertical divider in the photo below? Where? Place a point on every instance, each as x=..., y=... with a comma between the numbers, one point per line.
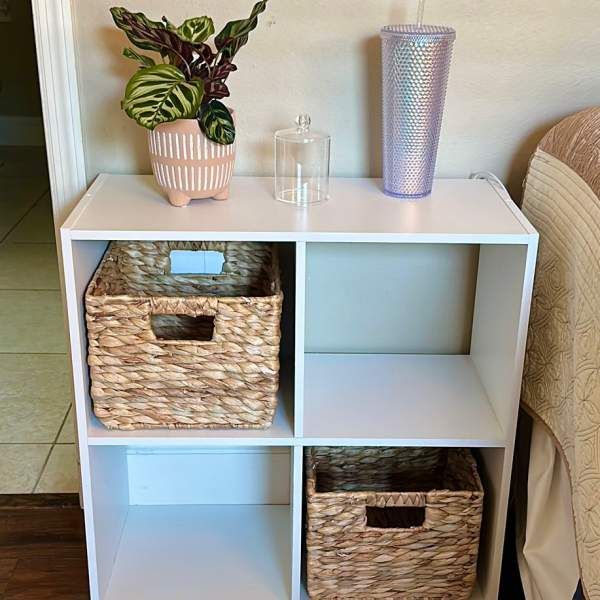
x=297, y=492
x=296, y=500
x=299, y=339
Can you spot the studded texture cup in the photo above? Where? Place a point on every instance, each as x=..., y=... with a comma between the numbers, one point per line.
x=415, y=66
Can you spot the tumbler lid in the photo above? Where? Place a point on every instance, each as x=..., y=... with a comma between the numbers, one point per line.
x=302, y=133
x=412, y=29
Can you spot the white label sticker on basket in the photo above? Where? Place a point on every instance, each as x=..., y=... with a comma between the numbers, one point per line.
x=197, y=262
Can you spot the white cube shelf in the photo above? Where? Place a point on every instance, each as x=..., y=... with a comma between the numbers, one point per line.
x=404, y=324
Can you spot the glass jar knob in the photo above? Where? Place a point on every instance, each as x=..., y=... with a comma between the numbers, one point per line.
x=303, y=122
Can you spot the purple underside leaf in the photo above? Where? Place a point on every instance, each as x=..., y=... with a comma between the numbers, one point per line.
x=223, y=69
x=205, y=52
x=215, y=90
x=156, y=36
x=214, y=78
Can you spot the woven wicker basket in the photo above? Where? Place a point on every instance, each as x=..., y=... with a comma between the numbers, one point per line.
x=392, y=523
x=184, y=351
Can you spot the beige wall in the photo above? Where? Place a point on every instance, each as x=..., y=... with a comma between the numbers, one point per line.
x=519, y=66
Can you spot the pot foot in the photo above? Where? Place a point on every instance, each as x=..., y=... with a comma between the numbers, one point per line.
x=223, y=194
x=177, y=198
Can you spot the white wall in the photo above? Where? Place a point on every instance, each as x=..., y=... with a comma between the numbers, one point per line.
x=519, y=67
x=406, y=298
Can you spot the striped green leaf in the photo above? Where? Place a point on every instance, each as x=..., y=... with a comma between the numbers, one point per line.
x=235, y=34
x=145, y=61
x=196, y=30
x=217, y=123
x=160, y=94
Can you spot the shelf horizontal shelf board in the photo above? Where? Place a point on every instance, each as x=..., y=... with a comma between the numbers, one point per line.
x=182, y=552
x=458, y=211
x=281, y=433
x=394, y=399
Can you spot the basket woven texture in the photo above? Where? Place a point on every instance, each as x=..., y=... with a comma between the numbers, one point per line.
x=361, y=545
x=184, y=351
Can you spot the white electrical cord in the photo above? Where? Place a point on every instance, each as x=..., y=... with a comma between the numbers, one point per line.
x=490, y=178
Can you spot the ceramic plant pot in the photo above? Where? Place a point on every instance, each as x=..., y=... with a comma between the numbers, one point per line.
x=187, y=164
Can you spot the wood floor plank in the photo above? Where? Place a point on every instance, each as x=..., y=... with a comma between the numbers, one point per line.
x=42, y=548
x=51, y=578
x=7, y=566
x=31, y=533
x=36, y=501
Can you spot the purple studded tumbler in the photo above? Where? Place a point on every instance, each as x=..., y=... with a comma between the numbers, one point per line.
x=415, y=65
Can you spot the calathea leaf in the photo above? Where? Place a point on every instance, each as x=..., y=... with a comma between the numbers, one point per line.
x=217, y=123
x=215, y=90
x=156, y=36
x=145, y=61
x=214, y=80
x=140, y=30
x=196, y=30
x=201, y=63
x=169, y=25
x=222, y=70
x=235, y=33
x=205, y=53
x=160, y=94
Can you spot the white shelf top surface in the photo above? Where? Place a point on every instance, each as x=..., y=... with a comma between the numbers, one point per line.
x=397, y=400
x=183, y=552
x=458, y=211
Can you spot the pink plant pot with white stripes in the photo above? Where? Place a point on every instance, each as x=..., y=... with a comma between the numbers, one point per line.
x=187, y=164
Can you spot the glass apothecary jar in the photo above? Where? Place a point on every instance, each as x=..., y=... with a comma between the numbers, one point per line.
x=302, y=164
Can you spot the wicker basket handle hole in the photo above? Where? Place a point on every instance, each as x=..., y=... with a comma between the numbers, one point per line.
x=183, y=327
x=395, y=517
x=196, y=262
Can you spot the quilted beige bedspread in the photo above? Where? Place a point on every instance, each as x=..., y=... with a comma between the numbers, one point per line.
x=562, y=372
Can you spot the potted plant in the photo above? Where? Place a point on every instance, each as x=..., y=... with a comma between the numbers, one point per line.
x=178, y=99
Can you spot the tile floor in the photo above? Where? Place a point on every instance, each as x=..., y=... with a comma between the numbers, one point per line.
x=37, y=437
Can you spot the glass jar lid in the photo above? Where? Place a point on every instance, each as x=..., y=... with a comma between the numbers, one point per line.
x=302, y=133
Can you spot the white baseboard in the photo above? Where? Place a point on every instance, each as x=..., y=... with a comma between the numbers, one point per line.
x=21, y=131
